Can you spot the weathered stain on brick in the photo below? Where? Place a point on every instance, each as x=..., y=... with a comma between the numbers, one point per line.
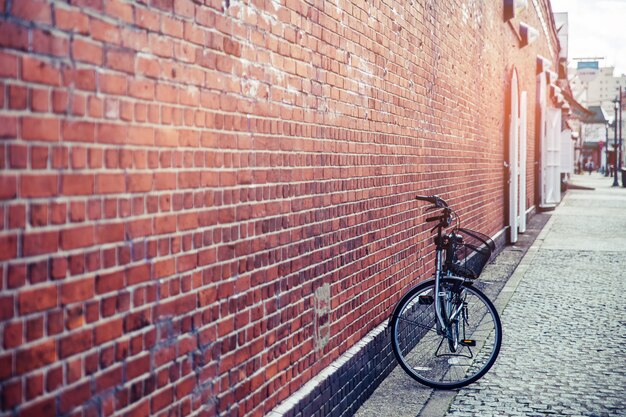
x=322, y=316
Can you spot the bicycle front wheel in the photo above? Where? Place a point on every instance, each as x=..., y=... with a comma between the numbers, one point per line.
x=429, y=355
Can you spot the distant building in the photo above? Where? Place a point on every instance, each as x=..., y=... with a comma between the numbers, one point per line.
x=599, y=92
x=594, y=135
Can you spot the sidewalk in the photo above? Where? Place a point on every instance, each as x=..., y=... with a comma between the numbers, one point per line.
x=564, y=318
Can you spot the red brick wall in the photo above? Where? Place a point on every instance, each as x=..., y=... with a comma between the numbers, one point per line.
x=203, y=205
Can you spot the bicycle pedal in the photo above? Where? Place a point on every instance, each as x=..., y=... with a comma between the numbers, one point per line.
x=426, y=300
x=468, y=342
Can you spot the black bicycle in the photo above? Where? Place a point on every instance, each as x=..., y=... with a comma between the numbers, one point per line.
x=445, y=332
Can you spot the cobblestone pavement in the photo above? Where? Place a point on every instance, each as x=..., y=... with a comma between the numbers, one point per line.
x=563, y=351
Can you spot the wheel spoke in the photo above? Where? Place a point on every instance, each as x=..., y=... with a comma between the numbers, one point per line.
x=430, y=327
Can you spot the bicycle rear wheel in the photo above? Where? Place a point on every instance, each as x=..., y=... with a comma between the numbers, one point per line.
x=427, y=355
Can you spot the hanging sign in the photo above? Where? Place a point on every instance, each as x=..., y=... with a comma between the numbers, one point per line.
x=587, y=70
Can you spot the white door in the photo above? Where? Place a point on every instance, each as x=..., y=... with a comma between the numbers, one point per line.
x=567, y=152
x=513, y=157
x=522, y=162
x=551, y=158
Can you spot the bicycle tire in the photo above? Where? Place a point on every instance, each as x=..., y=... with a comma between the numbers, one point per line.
x=418, y=347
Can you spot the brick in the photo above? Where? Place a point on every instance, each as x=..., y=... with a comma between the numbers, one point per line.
x=6, y=366
x=58, y=268
x=111, y=133
x=166, y=137
x=58, y=213
x=17, y=97
x=43, y=185
x=34, y=386
x=138, y=274
x=109, y=233
x=110, y=378
x=165, y=180
x=41, y=408
x=164, y=224
x=110, y=282
x=108, y=331
x=38, y=299
x=17, y=216
x=75, y=343
x=8, y=65
x=77, y=184
x=39, y=156
x=119, y=10
x=143, y=89
x=71, y=20
x=39, y=243
x=12, y=394
x=121, y=60
x=78, y=237
x=38, y=71
x=47, y=43
x=13, y=35
x=54, y=378
x=40, y=100
x=78, y=161
x=83, y=79
x=18, y=156
x=110, y=183
x=104, y=31
x=140, y=135
x=137, y=367
x=89, y=52
x=6, y=307
x=8, y=187
x=166, y=93
x=8, y=127
x=32, y=10
x=112, y=83
x=137, y=183
x=13, y=335
x=60, y=158
x=35, y=357
x=73, y=397
x=60, y=101
x=75, y=291
x=16, y=276
x=76, y=131
x=39, y=128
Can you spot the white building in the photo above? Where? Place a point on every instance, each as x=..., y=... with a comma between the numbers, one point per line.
x=599, y=92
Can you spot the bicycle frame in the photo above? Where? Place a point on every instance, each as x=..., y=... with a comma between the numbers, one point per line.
x=442, y=321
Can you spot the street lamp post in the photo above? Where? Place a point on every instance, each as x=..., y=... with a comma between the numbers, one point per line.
x=606, y=150
x=615, y=183
x=619, y=113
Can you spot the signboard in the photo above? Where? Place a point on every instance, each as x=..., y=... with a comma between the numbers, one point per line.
x=587, y=71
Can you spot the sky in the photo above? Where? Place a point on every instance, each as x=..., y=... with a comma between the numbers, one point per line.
x=597, y=28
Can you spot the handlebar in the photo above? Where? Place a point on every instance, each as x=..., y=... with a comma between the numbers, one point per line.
x=445, y=219
x=433, y=199
x=435, y=219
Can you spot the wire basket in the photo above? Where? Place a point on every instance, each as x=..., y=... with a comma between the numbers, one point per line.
x=470, y=253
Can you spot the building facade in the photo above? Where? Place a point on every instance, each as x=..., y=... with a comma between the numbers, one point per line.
x=207, y=208
x=601, y=91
